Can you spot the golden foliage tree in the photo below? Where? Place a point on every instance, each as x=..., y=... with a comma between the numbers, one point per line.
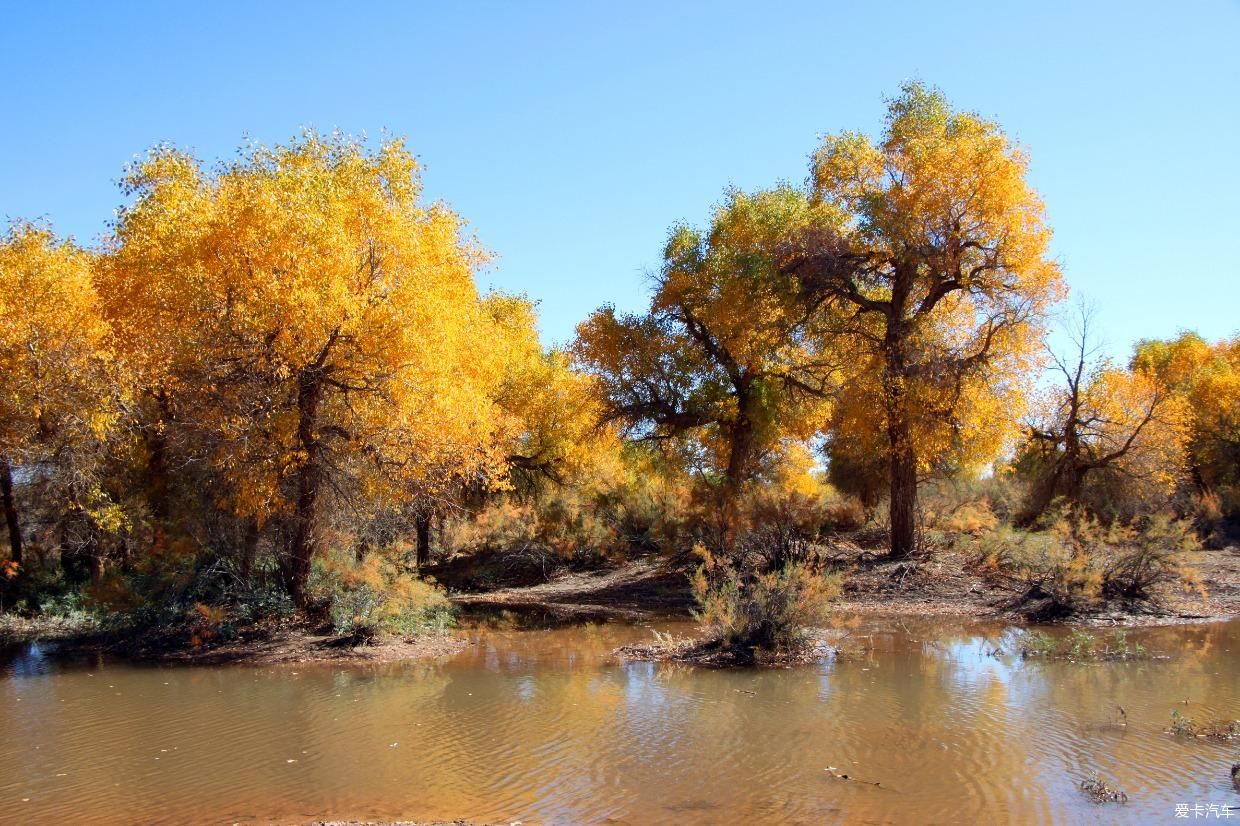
x=59, y=386
x=727, y=362
x=316, y=318
x=550, y=412
x=1207, y=377
x=939, y=278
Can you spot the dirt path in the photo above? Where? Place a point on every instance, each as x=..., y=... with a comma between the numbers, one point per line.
x=637, y=589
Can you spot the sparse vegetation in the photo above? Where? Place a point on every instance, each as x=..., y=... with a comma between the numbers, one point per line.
x=1079, y=644
x=1213, y=730
x=759, y=615
x=1077, y=565
x=376, y=597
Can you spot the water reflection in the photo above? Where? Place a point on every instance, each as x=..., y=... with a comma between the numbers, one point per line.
x=933, y=722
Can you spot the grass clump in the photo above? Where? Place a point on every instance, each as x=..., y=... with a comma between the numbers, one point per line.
x=1081, y=645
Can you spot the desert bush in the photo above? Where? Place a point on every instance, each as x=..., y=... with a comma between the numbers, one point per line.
x=564, y=524
x=973, y=518
x=1138, y=562
x=1000, y=493
x=752, y=612
x=843, y=513
x=1006, y=550
x=1079, y=562
x=378, y=597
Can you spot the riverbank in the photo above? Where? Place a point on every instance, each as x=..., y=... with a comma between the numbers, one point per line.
x=945, y=583
x=942, y=584
x=291, y=641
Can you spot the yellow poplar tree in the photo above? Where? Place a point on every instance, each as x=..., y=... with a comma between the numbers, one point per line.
x=322, y=318
x=550, y=412
x=59, y=389
x=1207, y=377
x=1105, y=421
x=727, y=362
x=939, y=278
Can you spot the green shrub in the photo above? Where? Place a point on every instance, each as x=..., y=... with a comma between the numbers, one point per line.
x=264, y=602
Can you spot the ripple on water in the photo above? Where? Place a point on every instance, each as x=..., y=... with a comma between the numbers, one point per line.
x=544, y=727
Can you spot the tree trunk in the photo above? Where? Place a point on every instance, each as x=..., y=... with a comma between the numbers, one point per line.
x=740, y=456
x=423, y=524
x=303, y=545
x=94, y=553
x=81, y=551
x=903, y=458
x=157, y=464
x=10, y=511
x=249, y=548
x=903, y=499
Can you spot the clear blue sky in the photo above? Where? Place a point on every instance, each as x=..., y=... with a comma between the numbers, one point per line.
x=572, y=135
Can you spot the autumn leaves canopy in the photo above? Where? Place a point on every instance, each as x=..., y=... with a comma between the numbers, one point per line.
x=893, y=307
x=297, y=335
x=293, y=326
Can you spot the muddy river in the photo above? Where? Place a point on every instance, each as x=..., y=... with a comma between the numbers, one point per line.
x=932, y=721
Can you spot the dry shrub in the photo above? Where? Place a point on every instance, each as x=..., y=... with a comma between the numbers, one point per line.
x=379, y=597
x=845, y=513
x=564, y=525
x=808, y=514
x=1138, y=563
x=1208, y=507
x=754, y=613
x=972, y=518
x=1078, y=563
x=206, y=622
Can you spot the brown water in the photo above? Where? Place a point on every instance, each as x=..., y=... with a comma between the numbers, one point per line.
x=540, y=726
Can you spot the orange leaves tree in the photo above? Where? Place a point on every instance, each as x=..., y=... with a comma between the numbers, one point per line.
x=60, y=391
x=314, y=321
x=725, y=364
x=1206, y=376
x=938, y=278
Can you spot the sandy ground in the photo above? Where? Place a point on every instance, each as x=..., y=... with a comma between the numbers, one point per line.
x=939, y=584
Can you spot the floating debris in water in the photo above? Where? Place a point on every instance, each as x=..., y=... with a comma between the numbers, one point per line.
x=1100, y=792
